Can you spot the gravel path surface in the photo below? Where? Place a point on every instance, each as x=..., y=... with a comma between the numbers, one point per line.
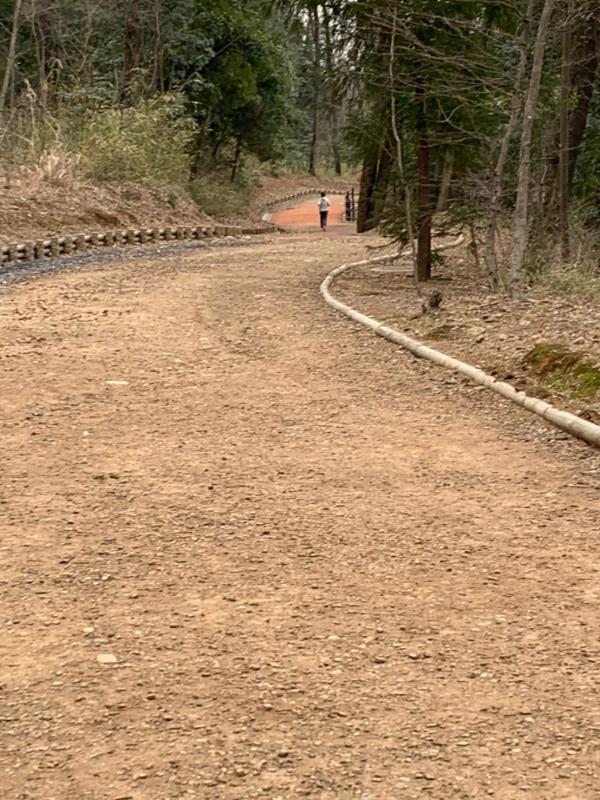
x=20, y=271
x=252, y=551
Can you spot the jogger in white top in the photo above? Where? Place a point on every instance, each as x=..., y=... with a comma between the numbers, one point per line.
x=324, y=210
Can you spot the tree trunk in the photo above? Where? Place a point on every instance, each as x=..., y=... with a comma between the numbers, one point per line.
x=585, y=54
x=365, y=218
x=236, y=159
x=423, y=192
x=134, y=42
x=332, y=110
x=521, y=216
x=444, y=193
x=9, y=66
x=158, y=78
x=565, y=90
x=374, y=182
x=40, y=55
x=314, y=142
x=46, y=14
x=400, y=158
x=384, y=173
x=497, y=180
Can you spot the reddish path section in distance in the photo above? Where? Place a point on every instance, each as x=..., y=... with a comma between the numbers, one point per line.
x=305, y=215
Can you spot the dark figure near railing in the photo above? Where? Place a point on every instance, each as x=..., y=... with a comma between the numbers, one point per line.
x=348, y=207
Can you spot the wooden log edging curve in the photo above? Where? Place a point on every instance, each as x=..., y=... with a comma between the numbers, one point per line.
x=302, y=193
x=70, y=244
x=564, y=420
x=272, y=205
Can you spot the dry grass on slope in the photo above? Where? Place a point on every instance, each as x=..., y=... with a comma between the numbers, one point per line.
x=43, y=206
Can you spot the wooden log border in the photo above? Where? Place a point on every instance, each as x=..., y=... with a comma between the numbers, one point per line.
x=67, y=244
x=272, y=205
x=297, y=195
x=564, y=420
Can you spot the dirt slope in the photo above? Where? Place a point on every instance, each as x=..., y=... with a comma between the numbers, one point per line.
x=251, y=551
x=39, y=208
x=44, y=209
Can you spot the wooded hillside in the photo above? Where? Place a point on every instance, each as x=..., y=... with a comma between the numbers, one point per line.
x=484, y=111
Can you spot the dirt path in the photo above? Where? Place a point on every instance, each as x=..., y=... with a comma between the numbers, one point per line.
x=305, y=216
x=312, y=566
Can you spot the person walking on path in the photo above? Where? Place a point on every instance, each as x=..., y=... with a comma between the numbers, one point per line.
x=324, y=205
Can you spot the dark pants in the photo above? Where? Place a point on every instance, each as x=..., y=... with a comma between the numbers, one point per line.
x=324, y=218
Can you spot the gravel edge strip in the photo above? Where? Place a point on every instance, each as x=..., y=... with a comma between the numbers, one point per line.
x=17, y=272
x=57, y=246
x=571, y=424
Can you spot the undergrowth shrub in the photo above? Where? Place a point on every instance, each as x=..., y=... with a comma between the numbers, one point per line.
x=578, y=278
x=149, y=142
x=219, y=196
x=53, y=167
x=568, y=372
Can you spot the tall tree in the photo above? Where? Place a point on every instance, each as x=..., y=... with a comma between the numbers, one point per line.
x=521, y=215
x=564, y=159
x=332, y=83
x=315, y=32
x=497, y=179
x=9, y=66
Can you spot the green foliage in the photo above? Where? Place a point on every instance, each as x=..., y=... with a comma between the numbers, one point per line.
x=133, y=74
x=169, y=90
x=221, y=197
x=149, y=142
x=587, y=177
x=234, y=70
x=452, y=78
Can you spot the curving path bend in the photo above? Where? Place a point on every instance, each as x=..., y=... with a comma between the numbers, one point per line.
x=304, y=216
x=251, y=551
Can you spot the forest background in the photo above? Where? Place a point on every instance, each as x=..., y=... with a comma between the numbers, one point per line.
x=484, y=115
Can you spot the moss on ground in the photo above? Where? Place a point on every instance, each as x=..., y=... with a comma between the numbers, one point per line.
x=440, y=333
x=567, y=372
